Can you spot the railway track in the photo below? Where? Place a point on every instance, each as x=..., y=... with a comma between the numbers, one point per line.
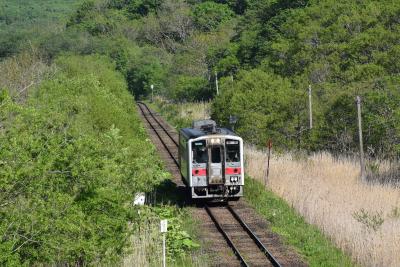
x=244, y=243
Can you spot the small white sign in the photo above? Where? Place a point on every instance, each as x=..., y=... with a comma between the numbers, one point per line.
x=140, y=199
x=164, y=226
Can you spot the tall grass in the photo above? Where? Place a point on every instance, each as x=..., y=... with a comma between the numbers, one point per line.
x=145, y=249
x=23, y=72
x=145, y=246
x=360, y=218
x=182, y=114
x=145, y=243
x=194, y=111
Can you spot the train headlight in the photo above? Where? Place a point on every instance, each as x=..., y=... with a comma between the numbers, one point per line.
x=215, y=141
x=234, y=179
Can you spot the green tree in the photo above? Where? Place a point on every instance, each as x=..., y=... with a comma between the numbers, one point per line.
x=209, y=15
x=262, y=102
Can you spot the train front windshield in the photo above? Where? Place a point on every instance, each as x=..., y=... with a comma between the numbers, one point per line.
x=199, y=150
x=232, y=151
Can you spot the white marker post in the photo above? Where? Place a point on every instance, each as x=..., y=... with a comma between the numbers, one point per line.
x=163, y=228
x=152, y=88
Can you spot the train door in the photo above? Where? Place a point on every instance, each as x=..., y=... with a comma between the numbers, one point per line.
x=215, y=166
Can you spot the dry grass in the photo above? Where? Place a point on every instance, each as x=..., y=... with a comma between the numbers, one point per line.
x=362, y=219
x=22, y=72
x=195, y=111
x=145, y=249
x=186, y=111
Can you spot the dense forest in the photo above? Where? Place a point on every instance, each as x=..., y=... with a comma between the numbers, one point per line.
x=25, y=23
x=67, y=120
x=265, y=54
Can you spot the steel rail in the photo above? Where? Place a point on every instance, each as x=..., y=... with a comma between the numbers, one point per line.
x=159, y=123
x=260, y=245
x=225, y=235
x=159, y=137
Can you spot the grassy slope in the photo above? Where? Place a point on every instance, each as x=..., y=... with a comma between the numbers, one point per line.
x=285, y=221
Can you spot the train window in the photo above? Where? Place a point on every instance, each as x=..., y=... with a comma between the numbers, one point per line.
x=232, y=151
x=199, y=150
x=216, y=155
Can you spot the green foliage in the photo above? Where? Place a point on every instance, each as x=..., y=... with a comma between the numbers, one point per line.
x=96, y=23
x=380, y=118
x=262, y=103
x=71, y=160
x=238, y=6
x=24, y=22
x=305, y=238
x=209, y=15
x=342, y=49
x=191, y=89
x=178, y=239
x=370, y=221
x=142, y=76
x=136, y=8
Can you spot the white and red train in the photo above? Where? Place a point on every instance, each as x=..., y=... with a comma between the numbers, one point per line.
x=211, y=161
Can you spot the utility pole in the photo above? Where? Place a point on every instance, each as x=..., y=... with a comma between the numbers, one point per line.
x=152, y=94
x=360, y=137
x=269, y=145
x=310, y=105
x=216, y=82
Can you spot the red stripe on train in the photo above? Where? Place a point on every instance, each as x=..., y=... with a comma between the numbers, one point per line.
x=233, y=170
x=199, y=172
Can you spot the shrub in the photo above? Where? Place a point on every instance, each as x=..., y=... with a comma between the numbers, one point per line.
x=191, y=89
x=71, y=160
x=209, y=15
x=262, y=103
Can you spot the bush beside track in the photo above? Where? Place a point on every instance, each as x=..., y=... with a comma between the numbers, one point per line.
x=71, y=158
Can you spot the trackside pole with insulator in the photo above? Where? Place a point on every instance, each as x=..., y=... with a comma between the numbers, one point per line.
x=360, y=137
x=266, y=173
x=310, y=105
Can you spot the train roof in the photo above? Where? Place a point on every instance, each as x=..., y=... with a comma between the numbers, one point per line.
x=191, y=133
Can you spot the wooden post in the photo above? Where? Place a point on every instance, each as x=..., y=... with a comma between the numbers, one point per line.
x=216, y=82
x=360, y=137
x=269, y=145
x=310, y=105
x=204, y=110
